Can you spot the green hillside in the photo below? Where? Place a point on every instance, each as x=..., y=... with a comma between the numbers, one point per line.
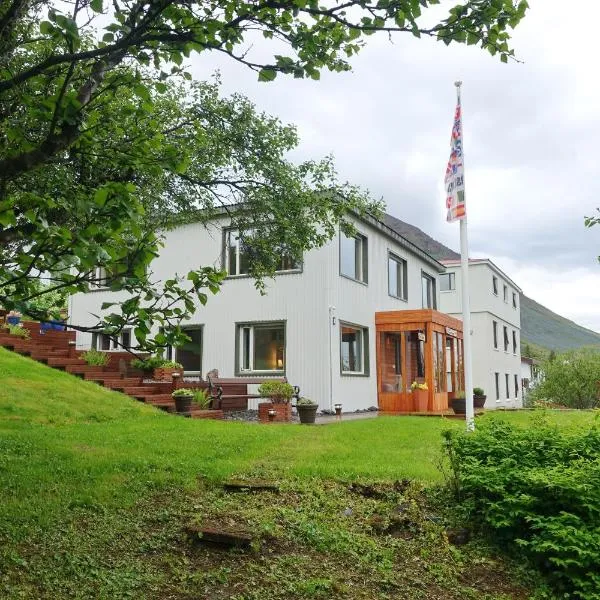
x=539, y=325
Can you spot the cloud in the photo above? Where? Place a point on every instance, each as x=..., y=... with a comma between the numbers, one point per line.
x=531, y=142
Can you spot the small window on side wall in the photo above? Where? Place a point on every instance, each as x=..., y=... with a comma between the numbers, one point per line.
x=428, y=291
x=447, y=282
x=354, y=257
x=354, y=345
x=495, y=285
x=397, y=277
x=261, y=347
x=514, y=300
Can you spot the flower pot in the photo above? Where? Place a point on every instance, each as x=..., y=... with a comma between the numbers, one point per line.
x=166, y=374
x=183, y=405
x=307, y=413
x=420, y=400
x=479, y=401
x=459, y=406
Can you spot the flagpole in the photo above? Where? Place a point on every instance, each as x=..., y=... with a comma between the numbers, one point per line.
x=466, y=304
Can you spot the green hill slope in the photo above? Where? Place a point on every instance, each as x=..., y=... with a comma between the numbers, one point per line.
x=539, y=325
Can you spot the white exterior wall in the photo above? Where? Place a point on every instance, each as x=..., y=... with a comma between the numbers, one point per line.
x=486, y=307
x=302, y=300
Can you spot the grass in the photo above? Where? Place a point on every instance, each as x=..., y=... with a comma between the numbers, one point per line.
x=96, y=489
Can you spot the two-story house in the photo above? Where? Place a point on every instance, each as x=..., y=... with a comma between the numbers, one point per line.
x=318, y=323
x=496, y=327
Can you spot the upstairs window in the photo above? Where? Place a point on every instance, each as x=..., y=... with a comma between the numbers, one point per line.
x=514, y=300
x=237, y=255
x=514, y=336
x=506, y=293
x=397, y=277
x=495, y=285
x=495, y=330
x=354, y=257
x=447, y=282
x=428, y=291
x=506, y=342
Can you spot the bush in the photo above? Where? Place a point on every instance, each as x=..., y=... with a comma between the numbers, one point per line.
x=148, y=364
x=95, y=358
x=305, y=402
x=19, y=331
x=571, y=379
x=537, y=492
x=202, y=398
x=478, y=391
x=278, y=391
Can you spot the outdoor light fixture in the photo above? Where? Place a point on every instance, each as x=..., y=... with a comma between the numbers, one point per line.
x=338, y=410
x=272, y=412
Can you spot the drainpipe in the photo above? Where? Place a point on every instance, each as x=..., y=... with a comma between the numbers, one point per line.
x=331, y=323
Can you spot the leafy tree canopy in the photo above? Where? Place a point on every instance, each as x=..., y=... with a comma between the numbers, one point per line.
x=105, y=137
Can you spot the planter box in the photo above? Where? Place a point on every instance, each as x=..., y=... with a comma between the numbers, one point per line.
x=307, y=413
x=479, y=401
x=183, y=405
x=163, y=374
x=420, y=400
x=283, y=412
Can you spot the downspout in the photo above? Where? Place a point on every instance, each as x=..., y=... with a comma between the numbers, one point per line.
x=331, y=324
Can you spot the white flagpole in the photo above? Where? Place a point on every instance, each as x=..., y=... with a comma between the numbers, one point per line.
x=466, y=303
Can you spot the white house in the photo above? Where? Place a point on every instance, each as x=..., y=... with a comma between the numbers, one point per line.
x=316, y=324
x=496, y=327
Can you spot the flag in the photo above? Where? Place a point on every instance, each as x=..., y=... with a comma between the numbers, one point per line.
x=455, y=177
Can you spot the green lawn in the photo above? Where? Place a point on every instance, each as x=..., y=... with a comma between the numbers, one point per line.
x=76, y=458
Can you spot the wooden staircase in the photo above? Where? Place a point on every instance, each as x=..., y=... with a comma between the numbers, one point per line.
x=57, y=350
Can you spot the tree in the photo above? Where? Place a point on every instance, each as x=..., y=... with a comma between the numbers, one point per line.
x=98, y=135
x=571, y=379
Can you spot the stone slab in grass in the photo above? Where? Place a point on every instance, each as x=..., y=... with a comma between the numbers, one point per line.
x=250, y=485
x=223, y=537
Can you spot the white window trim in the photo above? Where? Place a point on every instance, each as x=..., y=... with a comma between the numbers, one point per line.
x=240, y=327
x=363, y=348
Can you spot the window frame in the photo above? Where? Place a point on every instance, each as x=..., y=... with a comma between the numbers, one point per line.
x=363, y=261
x=505, y=338
x=364, y=347
x=239, y=327
x=507, y=381
x=497, y=381
x=514, y=300
x=225, y=249
x=451, y=278
x=494, y=285
x=432, y=281
x=171, y=351
x=403, y=264
x=495, y=334
x=505, y=293
x=115, y=344
x=516, y=386
x=514, y=341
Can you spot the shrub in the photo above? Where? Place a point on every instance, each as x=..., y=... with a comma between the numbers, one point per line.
x=305, y=402
x=19, y=331
x=148, y=364
x=570, y=379
x=170, y=364
x=536, y=491
x=415, y=385
x=278, y=391
x=478, y=391
x=95, y=358
x=202, y=398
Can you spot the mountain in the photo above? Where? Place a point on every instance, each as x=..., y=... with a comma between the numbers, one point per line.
x=539, y=325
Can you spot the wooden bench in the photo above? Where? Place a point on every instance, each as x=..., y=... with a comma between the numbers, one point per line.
x=232, y=393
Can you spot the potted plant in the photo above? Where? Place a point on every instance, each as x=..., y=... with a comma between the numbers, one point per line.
x=183, y=401
x=166, y=369
x=278, y=392
x=420, y=393
x=459, y=404
x=95, y=358
x=307, y=410
x=479, y=397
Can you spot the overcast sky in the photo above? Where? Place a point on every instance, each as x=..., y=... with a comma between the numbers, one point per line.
x=532, y=142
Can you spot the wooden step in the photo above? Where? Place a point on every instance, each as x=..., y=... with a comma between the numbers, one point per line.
x=118, y=383
x=68, y=362
x=160, y=399
x=140, y=391
x=42, y=355
x=199, y=413
x=77, y=366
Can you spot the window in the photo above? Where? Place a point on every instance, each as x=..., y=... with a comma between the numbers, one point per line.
x=514, y=341
x=505, y=292
x=428, y=290
x=354, y=257
x=104, y=342
x=495, y=329
x=397, y=277
x=190, y=353
x=514, y=300
x=261, y=347
x=495, y=285
x=447, y=282
x=506, y=344
x=497, y=386
x=237, y=255
x=99, y=277
x=354, y=345
x=507, y=386
x=516, y=386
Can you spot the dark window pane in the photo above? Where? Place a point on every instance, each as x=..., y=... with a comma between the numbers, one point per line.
x=126, y=339
x=269, y=347
x=393, y=277
x=351, y=349
x=190, y=354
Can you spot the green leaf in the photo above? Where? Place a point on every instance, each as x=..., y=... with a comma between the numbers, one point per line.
x=96, y=5
x=267, y=74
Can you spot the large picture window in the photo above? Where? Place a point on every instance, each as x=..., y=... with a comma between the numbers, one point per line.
x=354, y=257
x=354, y=349
x=397, y=277
x=237, y=255
x=428, y=291
x=261, y=347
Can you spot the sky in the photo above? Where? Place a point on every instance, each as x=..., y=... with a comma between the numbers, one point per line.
x=531, y=142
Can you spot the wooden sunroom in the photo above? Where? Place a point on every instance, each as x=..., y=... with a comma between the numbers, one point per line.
x=423, y=346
